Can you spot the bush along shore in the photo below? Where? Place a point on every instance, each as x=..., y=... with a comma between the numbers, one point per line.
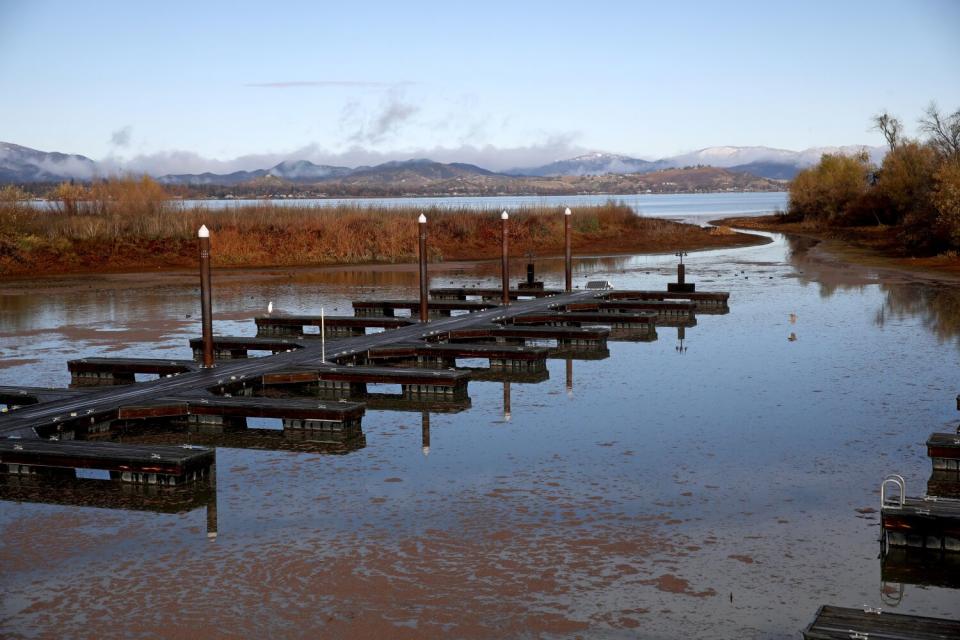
x=907, y=208
x=131, y=224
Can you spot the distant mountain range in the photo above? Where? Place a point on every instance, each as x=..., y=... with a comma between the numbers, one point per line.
x=20, y=164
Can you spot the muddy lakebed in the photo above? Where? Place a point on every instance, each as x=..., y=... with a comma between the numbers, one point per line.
x=724, y=486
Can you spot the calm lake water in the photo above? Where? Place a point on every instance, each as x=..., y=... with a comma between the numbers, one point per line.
x=722, y=489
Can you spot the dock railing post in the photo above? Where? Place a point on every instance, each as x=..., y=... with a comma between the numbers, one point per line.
x=424, y=285
x=206, y=307
x=504, y=262
x=323, y=336
x=567, y=254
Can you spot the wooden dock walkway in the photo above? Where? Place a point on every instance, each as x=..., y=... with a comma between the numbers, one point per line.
x=43, y=419
x=140, y=464
x=841, y=623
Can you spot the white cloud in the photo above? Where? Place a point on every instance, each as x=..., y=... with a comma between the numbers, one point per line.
x=487, y=156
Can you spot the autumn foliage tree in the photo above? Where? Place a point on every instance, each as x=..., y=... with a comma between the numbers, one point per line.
x=916, y=189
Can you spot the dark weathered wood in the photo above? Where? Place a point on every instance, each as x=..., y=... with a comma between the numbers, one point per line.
x=840, y=623
x=459, y=350
x=647, y=318
x=387, y=307
x=717, y=297
x=157, y=366
x=365, y=322
x=944, y=484
x=368, y=374
x=46, y=418
x=594, y=334
x=462, y=293
x=244, y=343
x=944, y=451
x=242, y=407
x=931, y=523
x=111, y=456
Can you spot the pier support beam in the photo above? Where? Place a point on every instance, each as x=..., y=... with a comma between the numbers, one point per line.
x=206, y=307
x=567, y=253
x=424, y=285
x=504, y=260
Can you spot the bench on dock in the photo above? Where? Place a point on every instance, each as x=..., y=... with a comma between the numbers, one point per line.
x=929, y=522
x=388, y=308
x=334, y=326
x=165, y=465
x=841, y=623
x=109, y=371
x=352, y=381
x=464, y=293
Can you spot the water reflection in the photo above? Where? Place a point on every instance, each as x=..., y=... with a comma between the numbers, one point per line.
x=935, y=304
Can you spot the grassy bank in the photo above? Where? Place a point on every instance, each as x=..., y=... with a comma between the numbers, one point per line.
x=130, y=225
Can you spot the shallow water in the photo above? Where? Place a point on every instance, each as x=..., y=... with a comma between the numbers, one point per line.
x=710, y=490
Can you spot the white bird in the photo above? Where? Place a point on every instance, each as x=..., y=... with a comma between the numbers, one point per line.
x=270, y=307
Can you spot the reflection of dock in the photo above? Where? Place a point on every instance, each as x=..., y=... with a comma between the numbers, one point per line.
x=920, y=567
x=85, y=492
x=841, y=623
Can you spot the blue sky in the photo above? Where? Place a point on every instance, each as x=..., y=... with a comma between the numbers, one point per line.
x=191, y=86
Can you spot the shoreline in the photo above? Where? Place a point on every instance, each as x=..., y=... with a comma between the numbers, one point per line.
x=861, y=246
x=132, y=256
x=25, y=284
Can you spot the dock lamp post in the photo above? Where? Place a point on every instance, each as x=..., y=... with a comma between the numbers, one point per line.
x=567, y=255
x=206, y=309
x=424, y=305
x=504, y=262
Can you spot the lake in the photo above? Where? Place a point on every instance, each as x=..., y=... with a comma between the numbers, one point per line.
x=723, y=484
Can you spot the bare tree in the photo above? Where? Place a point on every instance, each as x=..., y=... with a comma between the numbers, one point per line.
x=944, y=130
x=890, y=127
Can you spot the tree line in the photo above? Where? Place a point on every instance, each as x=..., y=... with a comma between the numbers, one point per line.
x=915, y=191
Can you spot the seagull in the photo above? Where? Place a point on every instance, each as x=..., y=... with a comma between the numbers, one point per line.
x=270, y=307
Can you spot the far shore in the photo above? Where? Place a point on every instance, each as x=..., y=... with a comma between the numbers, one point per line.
x=133, y=229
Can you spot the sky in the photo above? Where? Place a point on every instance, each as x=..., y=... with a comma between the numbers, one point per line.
x=189, y=86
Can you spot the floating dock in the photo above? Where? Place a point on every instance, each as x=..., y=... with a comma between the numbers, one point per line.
x=465, y=293
x=109, y=371
x=944, y=451
x=334, y=326
x=929, y=522
x=162, y=465
x=439, y=308
x=841, y=623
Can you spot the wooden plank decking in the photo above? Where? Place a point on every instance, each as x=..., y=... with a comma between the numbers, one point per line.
x=840, y=623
